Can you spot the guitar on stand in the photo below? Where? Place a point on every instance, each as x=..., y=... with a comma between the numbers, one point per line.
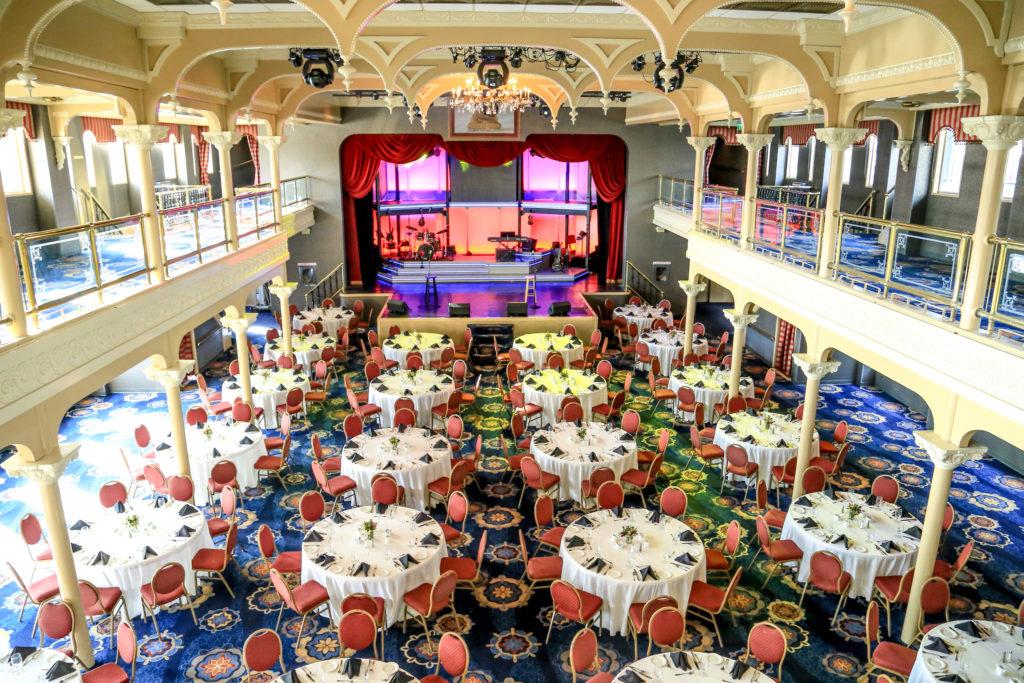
x=557, y=260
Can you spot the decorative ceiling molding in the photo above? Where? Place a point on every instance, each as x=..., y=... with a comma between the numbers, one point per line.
x=390, y=18
x=896, y=70
x=87, y=62
x=872, y=17
x=776, y=94
x=204, y=90
x=387, y=46
x=1014, y=44
x=777, y=27
x=609, y=48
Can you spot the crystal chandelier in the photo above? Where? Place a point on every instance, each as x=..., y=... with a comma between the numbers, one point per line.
x=475, y=98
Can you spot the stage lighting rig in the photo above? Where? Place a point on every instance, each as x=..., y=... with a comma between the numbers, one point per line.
x=668, y=77
x=318, y=64
x=515, y=57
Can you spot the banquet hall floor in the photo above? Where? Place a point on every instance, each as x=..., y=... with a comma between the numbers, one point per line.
x=503, y=623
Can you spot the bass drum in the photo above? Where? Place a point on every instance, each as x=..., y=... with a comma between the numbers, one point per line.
x=425, y=252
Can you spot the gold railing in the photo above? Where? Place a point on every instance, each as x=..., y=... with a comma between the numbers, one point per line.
x=915, y=264
x=788, y=233
x=66, y=268
x=295, y=192
x=721, y=213
x=676, y=193
x=641, y=285
x=784, y=194
x=330, y=285
x=254, y=215
x=191, y=235
x=1005, y=300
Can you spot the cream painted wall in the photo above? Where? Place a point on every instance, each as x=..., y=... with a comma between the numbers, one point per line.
x=119, y=44
x=904, y=40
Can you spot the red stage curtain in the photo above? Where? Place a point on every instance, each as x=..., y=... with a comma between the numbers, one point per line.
x=489, y=154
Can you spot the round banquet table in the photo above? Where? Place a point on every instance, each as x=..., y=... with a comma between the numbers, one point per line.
x=126, y=565
x=770, y=439
x=335, y=554
x=671, y=550
x=710, y=385
x=426, y=388
x=429, y=344
x=239, y=442
x=972, y=650
x=547, y=388
x=536, y=346
x=573, y=453
x=348, y=670
x=36, y=663
x=666, y=345
x=269, y=389
x=415, y=459
x=818, y=521
x=691, y=667
x=333, y=319
x=305, y=347
x=643, y=315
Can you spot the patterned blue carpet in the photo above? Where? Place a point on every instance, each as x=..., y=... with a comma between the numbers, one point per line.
x=502, y=621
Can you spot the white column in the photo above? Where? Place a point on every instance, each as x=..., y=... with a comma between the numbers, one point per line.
x=815, y=371
x=46, y=472
x=10, y=281
x=754, y=142
x=839, y=141
x=700, y=146
x=946, y=457
x=692, y=290
x=170, y=379
x=740, y=322
x=140, y=141
x=224, y=141
x=283, y=291
x=240, y=326
x=272, y=143
x=998, y=134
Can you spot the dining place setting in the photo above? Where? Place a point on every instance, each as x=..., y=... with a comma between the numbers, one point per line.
x=31, y=663
x=215, y=441
x=547, y=388
x=573, y=452
x=429, y=345
x=970, y=651
x=412, y=456
x=348, y=670
x=535, y=347
x=425, y=388
x=692, y=667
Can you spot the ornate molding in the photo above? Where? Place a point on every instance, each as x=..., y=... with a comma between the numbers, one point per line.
x=271, y=142
x=896, y=70
x=91, y=63
x=740, y=321
x=813, y=368
x=945, y=455
x=905, y=147
x=755, y=141
x=700, y=144
x=11, y=119
x=46, y=470
x=169, y=377
x=141, y=136
x=223, y=140
x=997, y=133
x=204, y=90
x=392, y=17
x=727, y=24
x=237, y=325
x=692, y=288
x=839, y=139
x=792, y=91
x=1014, y=45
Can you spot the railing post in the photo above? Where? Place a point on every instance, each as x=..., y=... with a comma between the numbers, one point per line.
x=839, y=141
x=998, y=134
x=140, y=140
x=10, y=283
x=754, y=143
x=272, y=143
x=224, y=141
x=782, y=235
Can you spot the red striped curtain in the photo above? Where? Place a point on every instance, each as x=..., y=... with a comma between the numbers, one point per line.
x=102, y=129
x=727, y=133
x=251, y=134
x=872, y=129
x=27, y=123
x=950, y=118
x=799, y=134
x=203, y=147
x=785, y=339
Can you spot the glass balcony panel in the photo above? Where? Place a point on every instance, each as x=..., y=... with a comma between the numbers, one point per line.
x=926, y=261
x=802, y=232
x=121, y=251
x=863, y=246
x=179, y=230
x=211, y=224
x=768, y=228
x=265, y=209
x=245, y=214
x=1011, y=298
x=61, y=266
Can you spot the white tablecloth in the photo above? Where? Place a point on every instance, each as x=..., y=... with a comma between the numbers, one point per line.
x=666, y=345
x=426, y=388
x=578, y=456
x=547, y=388
x=978, y=660
x=305, y=347
x=419, y=459
x=710, y=385
x=536, y=347
x=334, y=671
x=643, y=315
x=34, y=666
x=127, y=568
x=865, y=559
x=618, y=583
x=267, y=392
x=387, y=578
x=333, y=319
x=226, y=439
x=429, y=344
x=770, y=439
x=697, y=667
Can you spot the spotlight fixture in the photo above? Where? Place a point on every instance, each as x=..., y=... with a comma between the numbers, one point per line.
x=553, y=60
x=318, y=64
x=668, y=77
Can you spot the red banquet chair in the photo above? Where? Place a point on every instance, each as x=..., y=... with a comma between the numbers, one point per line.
x=101, y=601
x=261, y=652
x=458, y=511
x=214, y=561
x=385, y=490
x=666, y=629
x=167, y=587
x=372, y=605
x=453, y=657
x=590, y=487
x=218, y=526
x=57, y=622
x=127, y=652
x=640, y=614
x=721, y=559
x=427, y=600
x=112, y=493
x=673, y=502
x=886, y=488
x=36, y=592
x=573, y=604
x=583, y=656
x=305, y=599
x=892, y=657
x=766, y=644
x=544, y=516
x=828, y=575
x=357, y=630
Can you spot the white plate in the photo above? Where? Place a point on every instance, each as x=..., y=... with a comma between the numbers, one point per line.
x=716, y=659
x=615, y=573
x=420, y=555
x=390, y=668
x=384, y=571
x=935, y=663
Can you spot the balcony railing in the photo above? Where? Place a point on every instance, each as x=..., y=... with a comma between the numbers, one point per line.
x=788, y=233
x=675, y=193
x=295, y=193
x=255, y=216
x=642, y=286
x=1004, y=305
x=914, y=264
x=192, y=235
x=785, y=194
x=722, y=212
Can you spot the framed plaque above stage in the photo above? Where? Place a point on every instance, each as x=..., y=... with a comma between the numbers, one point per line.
x=465, y=125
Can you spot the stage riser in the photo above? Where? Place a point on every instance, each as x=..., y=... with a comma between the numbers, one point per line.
x=411, y=279
x=415, y=272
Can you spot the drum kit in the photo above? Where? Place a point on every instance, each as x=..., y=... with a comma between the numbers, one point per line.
x=428, y=244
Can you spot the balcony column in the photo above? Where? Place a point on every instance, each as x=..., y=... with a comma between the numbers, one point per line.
x=283, y=291
x=10, y=282
x=692, y=289
x=46, y=472
x=700, y=146
x=754, y=142
x=815, y=371
x=140, y=140
x=740, y=322
x=240, y=327
x=998, y=134
x=170, y=379
x=272, y=143
x=946, y=457
x=839, y=141
x=224, y=141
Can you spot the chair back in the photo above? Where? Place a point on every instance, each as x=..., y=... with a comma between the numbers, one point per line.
x=155, y=478
x=531, y=471
x=372, y=368
x=686, y=396
x=566, y=600
x=762, y=495
x=262, y=651
x=453, y=655
x=460, y=370
x=265, y=542
x=630, y=422
x=814, y=480
x=600, y=476
x=763, y=535
x=544, y=510
x=871, y=625
x=554, y=361
x=610, y=495
x=294, y=397
x=767, y=644
x=963, y=557
x=732, y=537
x=180, y=487
x=56, y=620
x=196, y=415
x=353, y=426
x=934, y=595
x=583, y=652
x=886, y=488
x=667, y=627
x=454, y=427
x=573, y=412
x=458, y=507
x=384, y=490
x=282, y=588
x=673, y=502
x=223, y=472
x=168, y=579
x=841, y=430
x=234, y=368
x=142, y=438
x=604, y=370
x=127, y=645
x=312, y=506
x=826, y=570
x=285, y=362
x=241, y=412
x=112, y=493
x=228, y=500
x=272, y=334
x=413, y=361
x=461, y=470
x=737, y=404
x=736, y=455
x=404, y=416
x=442, y=590
x=357, y=630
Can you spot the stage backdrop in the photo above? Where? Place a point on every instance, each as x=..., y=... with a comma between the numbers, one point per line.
x=362, y=154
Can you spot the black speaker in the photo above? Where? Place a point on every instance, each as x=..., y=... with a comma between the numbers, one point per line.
x=397, y=309
x=504, y=255
x=458, y=310
x=516, y=309
x=559, y=309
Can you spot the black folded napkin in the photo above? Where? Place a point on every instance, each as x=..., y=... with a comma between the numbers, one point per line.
x=583, y=522
x=101, y=558
x=627, y=676
x=781, y=443
x=679, y=661
x=186, y=510
x=362, y=569
x=446, y=380
x=872, y=500
x=426, y=458
x=325, y=559
x=687, y=536
x=596, y=564
x=314, y=346
x=829, y=493
x=373, y=432
x=215, y=453
x=647, y=574
x=748, y=439
x=727, y=428
x=297, y=371
x=802, y=500
x=430, y=539
x=313, y=536
x=841, y=538
x=686, y=559
x=75, y=547
x=885, y=547
x=575, y=542
x=25, y=651
x=252, y=429
x=280, y=387
x=950, y=678
x=913, y=532
x=233, y=386
x=402, y=428
x=619, y=450
x=968, y=627
x=593, y=456
x=59, y=670
x=245, y=441
x=739, y=668
x=745, y=381
x=401, y=677
x=119, y=507
x=407, y=392
x=185, y=531
x=338, y=518
x=557, y=451
x=351, y=667
x=440, y=443
x=406, y=560
x=809, y=523
x=422, y=518
x=389, y=465
x=937, y=645
x=540, y=438
x=380, y=508
x=699, y=384
x=355, y=457
x=655, y=516
x=163, y=446
x=594, y=386
x=377, y=383
x=148, y=552
x=626, y=437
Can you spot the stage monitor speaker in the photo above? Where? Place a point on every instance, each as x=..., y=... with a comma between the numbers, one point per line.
x=559, y=309
x=516, y=309
x=504, y=255
x=458, y=310
x=397, y=308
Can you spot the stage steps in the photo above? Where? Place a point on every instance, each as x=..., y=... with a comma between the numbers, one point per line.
x=415, y=272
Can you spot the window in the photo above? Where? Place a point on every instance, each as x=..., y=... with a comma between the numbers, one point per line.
x=14, y=163
x=847, y=164
x=118, y=169
x=870, y=159
x=812, y=152
x=949, y=164
x=792, y=158
x=1012, y=167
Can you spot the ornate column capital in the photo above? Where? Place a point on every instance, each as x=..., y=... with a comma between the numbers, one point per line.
x=46, y=470
x=997, y=133
x=754, y=142
x=10, y=119
x=271, y=142
x=739, y=320
x=141, y=136
x=692, y=288
x=904, y=147
x=813, y=368
x=283, y=291
x=840, y=139
x=167, y=377
x=240, y=324
x=945, y=455
x=700, y=143
x=222, y=140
